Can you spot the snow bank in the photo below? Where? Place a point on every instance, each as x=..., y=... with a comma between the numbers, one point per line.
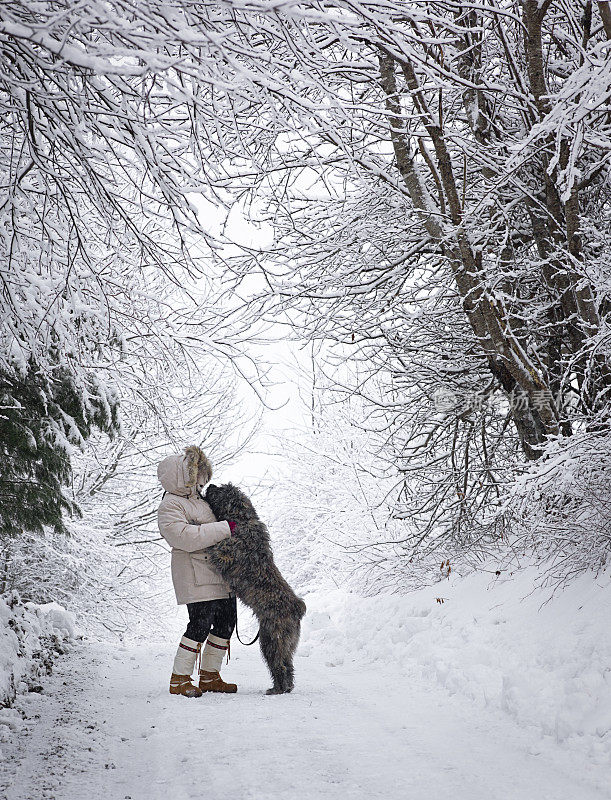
x=31, y=636
x=546, y=661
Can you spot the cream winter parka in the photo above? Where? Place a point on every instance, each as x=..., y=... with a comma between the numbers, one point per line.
x=187, y=523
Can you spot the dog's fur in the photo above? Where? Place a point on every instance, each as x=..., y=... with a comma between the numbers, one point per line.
x=246, y=562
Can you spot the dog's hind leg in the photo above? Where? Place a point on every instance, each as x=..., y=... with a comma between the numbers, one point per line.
x=290, y=641
x=288, y=675
x=272, y=653
x=279, y=641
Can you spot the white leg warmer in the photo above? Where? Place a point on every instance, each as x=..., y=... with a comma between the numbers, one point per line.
x=213, y=653
x=185, y=657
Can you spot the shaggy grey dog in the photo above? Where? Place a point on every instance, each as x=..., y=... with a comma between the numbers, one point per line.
x=246, y=562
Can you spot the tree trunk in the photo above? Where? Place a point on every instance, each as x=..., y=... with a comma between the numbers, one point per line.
x=533, y=407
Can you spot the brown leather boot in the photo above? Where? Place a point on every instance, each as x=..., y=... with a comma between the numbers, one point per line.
x=181, y=684
x=212, y=682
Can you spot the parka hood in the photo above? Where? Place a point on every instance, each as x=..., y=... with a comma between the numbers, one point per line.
x=180, y=473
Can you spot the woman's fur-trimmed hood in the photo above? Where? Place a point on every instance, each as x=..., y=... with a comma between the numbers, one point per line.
x=180, y=473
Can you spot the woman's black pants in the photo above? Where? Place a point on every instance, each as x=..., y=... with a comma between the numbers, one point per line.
x=211, y=616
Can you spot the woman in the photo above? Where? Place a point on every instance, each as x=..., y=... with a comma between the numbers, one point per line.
x=187, y=523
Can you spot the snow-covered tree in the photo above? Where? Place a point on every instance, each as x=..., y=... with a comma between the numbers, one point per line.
x=441, y=212
x=42, y=417
x=103, y=253
x=435, y=176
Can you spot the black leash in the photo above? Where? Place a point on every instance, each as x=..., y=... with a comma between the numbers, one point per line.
x=238, y=635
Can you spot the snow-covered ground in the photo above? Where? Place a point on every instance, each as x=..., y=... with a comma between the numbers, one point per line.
x=502, y=643
x=484, y=696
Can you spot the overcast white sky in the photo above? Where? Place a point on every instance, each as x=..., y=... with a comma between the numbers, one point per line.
x=289, y=362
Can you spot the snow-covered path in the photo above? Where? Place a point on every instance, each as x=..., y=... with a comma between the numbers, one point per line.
x=105, y=727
